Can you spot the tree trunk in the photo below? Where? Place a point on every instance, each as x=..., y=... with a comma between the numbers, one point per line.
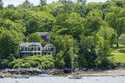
x=117, y=43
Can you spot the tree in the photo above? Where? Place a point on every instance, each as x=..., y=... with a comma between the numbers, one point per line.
x=80, y=7
x=9, y=42
x=119, y=3
x=117, y=21
x=39, y=22
x=71, y=24
x=13, y=14
x=108, y=34
x=67, y=5
x=1, y=4
x=96, y=13
x=11, y=6
x=34, y=37
x=82, y=33
x=103, y=51
x=87, y=52
x=67, y=51
x=81, y=1
x=65, y=1
x=26, y=4
x=94, y=51
x=69, y=54
x=10, y=25
x=92, y=25
x=43, y=2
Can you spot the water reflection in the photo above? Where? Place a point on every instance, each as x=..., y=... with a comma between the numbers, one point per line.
x=119, y=79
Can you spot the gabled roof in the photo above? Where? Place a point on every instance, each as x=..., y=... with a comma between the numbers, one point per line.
x=26, y=44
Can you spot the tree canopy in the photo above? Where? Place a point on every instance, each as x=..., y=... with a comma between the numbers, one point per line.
x=83, y=33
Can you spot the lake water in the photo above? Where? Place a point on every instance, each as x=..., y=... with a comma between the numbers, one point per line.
x=119, y=79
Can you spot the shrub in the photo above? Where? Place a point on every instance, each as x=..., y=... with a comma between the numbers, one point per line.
x=42, y=62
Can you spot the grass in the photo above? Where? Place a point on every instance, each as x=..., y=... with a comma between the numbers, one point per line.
x=119, y=54
x=118, y=58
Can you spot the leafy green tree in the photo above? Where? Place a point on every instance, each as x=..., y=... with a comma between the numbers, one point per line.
x=71, y=24
x=39, y=22
x=67, y=51
x=87, y=52
x=11, y=25
x=93, y=5
x=119, y=3
x=59, y=60
x=58, y=10
x=94, y=51
x=80, y=7
x=116, y=21
x=9, y=42
x=95, y=13
x=67, y=5
x=34, y=37
x=108, y=34
x=12, y=14
x=103, y=51
x=92, y=25
x=74, y=24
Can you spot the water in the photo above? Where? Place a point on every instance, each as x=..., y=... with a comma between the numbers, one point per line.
x=119, y=79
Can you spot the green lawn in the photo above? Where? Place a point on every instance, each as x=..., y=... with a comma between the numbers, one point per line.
x=118, y=54
x=118, y=57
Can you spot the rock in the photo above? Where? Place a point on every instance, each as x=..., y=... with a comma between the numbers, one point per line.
x=67, y=70
x=74, y=77
x=21, y=76
x=1, y=76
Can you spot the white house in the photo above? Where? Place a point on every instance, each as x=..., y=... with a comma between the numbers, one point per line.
x=35, y=48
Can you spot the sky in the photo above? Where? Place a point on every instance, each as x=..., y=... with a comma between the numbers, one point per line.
x=36, y=2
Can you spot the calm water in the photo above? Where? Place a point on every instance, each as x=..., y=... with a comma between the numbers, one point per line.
x=120, y=79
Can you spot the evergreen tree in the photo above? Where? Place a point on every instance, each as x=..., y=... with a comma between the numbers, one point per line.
x=27, y=4
x=81, y=1
x=1, y=3
x=43, y=2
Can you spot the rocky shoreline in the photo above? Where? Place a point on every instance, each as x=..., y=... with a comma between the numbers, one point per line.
x=25, y=73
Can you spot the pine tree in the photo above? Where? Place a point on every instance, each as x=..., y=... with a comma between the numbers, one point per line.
x=81, y=1
x=1, y=4
x=43, y=2
x=27, y=4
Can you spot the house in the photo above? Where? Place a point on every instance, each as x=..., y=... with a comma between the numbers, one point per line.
x=35, y=48
x=49, y=49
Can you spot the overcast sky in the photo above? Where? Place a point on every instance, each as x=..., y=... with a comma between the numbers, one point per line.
x=36, y=2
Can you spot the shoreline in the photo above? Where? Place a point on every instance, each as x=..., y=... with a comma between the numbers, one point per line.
x=112, y=72
x=101, y=73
